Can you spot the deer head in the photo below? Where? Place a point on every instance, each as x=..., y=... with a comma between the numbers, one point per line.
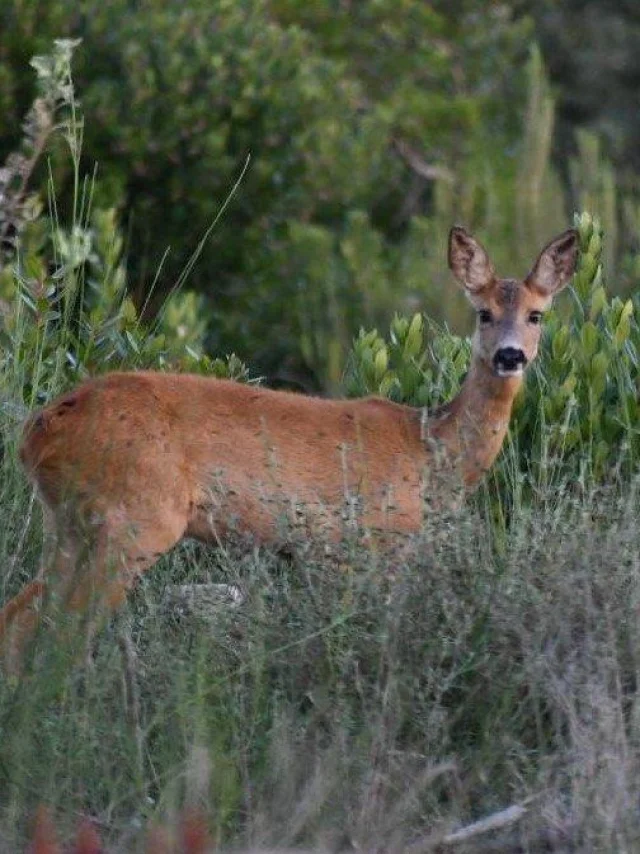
x=509, y=311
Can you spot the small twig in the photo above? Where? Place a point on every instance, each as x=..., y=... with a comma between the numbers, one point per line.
x=131, y=689
x=496, y=821
x=430, y=171
x=22, y=165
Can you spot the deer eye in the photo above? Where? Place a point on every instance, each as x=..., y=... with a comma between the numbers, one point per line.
x=485, y=315
x=535, y=317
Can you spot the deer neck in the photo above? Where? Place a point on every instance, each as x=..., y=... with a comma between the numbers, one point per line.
x=470, y=429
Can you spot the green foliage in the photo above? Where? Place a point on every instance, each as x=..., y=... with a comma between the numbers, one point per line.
x=51, y=112
x=405, y=368
x=68, y=313
x=358, y=167
x=176, y=99
x=582, y=405
x=591, y=47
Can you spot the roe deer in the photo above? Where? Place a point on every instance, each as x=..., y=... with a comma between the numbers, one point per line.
x=127, y=464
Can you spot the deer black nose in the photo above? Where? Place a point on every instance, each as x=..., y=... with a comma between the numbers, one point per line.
x=509, y=359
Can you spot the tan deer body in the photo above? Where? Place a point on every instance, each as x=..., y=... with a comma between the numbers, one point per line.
x=128, y=464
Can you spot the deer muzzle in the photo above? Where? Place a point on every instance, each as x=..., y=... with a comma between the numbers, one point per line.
x=509, y=362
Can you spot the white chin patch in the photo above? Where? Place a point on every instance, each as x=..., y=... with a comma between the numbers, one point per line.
x=514, y=372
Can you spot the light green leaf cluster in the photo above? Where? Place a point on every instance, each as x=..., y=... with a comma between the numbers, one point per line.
x=411, y=367
x=581, y=405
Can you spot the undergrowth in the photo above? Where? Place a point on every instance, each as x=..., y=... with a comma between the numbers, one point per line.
x=332, y=705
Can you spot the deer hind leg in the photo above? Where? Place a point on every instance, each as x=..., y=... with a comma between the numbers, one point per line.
x=93, y=566
x=121, y=550
x=20, y=616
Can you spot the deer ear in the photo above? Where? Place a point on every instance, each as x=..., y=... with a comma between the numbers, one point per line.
x=555, y=265
x=468, y=261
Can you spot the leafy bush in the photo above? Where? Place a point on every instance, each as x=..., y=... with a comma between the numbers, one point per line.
x=68, y=313
x=343, y=154
x=356, y=174
x=582, y=405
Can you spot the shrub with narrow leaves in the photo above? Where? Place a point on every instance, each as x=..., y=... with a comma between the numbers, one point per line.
x=421, y=363
x=581, y=405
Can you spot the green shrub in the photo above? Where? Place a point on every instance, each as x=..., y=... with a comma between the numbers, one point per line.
x=176, y=96
x=356, y=174
x=581, y=405
x=68, y=313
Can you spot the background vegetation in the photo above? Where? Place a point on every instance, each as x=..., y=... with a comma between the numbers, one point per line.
x=372, y=126
x=331, y=706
